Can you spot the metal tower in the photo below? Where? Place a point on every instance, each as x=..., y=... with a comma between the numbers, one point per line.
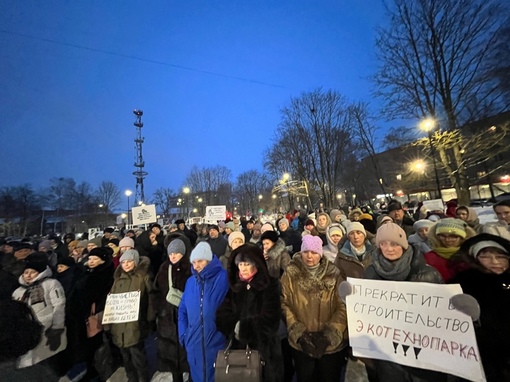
x=139, y=173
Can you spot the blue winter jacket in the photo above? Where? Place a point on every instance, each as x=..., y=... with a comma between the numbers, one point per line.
x=203, y=294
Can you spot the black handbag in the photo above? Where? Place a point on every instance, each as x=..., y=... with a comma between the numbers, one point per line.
x=238, y=365
x=106, y=360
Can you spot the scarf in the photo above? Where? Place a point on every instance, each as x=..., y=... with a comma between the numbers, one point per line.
x=313, y=270
x=249, y=278
x=34, y=294
x=360, y=253
x=446, y=253
x=397, y=270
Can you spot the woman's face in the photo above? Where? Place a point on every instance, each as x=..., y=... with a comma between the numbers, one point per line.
x=422, y=232
x=390, y=250
x=246, y=269
x=175, y=257
x=462, y=214
x=199, y=265
x=450, y=241
x=29, y=275
x=310, y=258
x=335, y=238
x=322, y=221
x=493, y=260
x=356, y=238
x=236, y=243
x=267, y=244
x=128, y=265
x=94, y=261
x=62, y=268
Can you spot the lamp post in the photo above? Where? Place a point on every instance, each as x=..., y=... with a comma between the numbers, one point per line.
x=186, y=191
x=128, y=194
x=428, y=125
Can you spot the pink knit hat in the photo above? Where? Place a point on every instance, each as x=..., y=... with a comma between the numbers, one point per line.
x=312, y=243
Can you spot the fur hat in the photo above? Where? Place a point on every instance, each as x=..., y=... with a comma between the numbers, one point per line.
x=115, y=241
x=391, y=232
x=131, y=254
x=394, y=205
x=201, y=252
x=235, y=235
x=104, y=253
x=270, y=235
x=312, y=243
x=176, y=246
x=179, y=221
x=231, y=226
x=356, y=226
x=38, y=265
x=127, y=242
x=66, y=260
x=422, y=223
x=451, y=226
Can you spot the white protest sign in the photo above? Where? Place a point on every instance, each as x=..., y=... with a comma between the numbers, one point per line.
x=121, y=307
x=412, y=324
x=215, y=212
x=434, y=205
x=144, y=214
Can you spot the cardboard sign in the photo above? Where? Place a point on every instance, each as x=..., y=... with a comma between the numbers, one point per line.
x=434, y=205
x=144, y=214
x=121, y=307
x=412, y=324
x=215, y=213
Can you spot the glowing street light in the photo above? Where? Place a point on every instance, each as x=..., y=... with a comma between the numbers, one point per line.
x=428, y=124
x=128, y=194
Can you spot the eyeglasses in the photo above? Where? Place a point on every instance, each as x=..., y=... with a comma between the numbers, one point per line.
x=449, y=237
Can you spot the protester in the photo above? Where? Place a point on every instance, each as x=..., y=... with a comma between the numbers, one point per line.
x=502, y=226
x=315, y=316
x=150, y=244
x=420, y=238
x=323, y=222
x=235, y=240
x=250, y=313
x=356, y=253
x=114, y=244
x=470, y=216
x=334, y=234
x=169, y=286
x=217, y=242
x=275, y=253
x=291, y=238
x=203, y=294
x=399, y=216
x=131, y=276
x=487, y=280
x=256, y=234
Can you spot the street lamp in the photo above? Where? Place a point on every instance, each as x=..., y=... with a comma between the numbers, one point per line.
x=428, y=125
x=186, y=191
x=128, y=194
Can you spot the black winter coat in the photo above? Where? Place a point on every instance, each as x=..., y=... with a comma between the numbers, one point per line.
x=156, y=253
x=256, y=306
x=492, y=292
x=291, y=238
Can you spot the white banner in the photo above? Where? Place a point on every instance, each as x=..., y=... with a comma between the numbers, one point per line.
x=215, y=213
x=121, y=307
x=412, y=324
x=144, y=214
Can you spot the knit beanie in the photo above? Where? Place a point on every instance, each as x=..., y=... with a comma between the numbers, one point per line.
x=475, y=249
x=309, y=222
x=221, y=224
x=45, y=244
x=235, y=235
x=267, y=227
x=394, y=205
x=386, y=219
x=312, y=243
x=451, y=226
x=270, y=235
x=201, y=252
x=283, y=221
x=231, y=226
x=114, y=241
x=82, y=244
x=356, y=226
x=393, y=233
x=335, y=229
x=96, y=241
x=422, y=223
x=131, y=254
x=127, y=242
x=214, y=226
x=176, y=246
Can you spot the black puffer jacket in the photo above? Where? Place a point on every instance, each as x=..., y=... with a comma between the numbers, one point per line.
x=256, y=306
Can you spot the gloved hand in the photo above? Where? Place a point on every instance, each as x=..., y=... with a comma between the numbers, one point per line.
x=306, y=343
x=320, y=342
x=344, y=290
x=466, y=304
x=53, y=338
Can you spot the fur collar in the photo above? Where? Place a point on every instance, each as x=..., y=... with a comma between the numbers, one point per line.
x=276, y=250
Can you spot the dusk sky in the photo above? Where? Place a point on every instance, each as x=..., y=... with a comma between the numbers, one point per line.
x=210, y=77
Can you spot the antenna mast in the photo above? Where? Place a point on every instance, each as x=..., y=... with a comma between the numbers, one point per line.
x=139, y=172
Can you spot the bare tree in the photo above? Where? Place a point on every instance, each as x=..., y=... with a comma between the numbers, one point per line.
x=108, y=195
x=164, y=199
x=436, y=62
x=209, y=183
x=399, y=136
x=248, y=187
x=314, y=142
x=61, y=194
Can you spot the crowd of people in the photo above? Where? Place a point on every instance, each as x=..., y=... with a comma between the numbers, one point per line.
x=277, y=287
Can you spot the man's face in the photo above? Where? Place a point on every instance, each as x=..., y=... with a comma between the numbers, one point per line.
x=107, y=235
x=22, y=253
x=396, y=215
x=156, y=230
x=213, y=234
x=503, y=213
x=181, y=226
x=249, y=225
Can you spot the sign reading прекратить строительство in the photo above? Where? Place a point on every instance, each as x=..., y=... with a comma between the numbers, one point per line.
x=412, y=324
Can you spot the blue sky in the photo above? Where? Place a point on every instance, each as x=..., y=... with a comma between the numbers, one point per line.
x=210, y=77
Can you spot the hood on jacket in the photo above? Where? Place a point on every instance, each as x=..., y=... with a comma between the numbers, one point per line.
x=254, y=254
x=347, y=250
x=472, y=215
x=210, y=270
x=142, y=268
x=47, y=273
x=331, y=245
